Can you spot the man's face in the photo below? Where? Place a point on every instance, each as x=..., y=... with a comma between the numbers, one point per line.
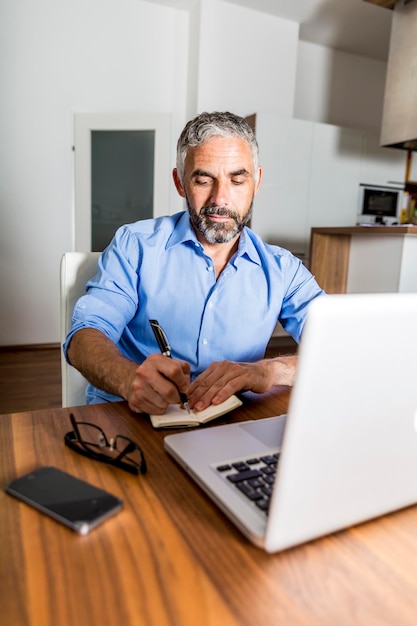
x=219, y=187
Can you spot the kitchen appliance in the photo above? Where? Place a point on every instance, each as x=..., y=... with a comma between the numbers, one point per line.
x=379, y=204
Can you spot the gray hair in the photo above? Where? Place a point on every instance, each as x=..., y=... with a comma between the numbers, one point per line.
x=208, y=125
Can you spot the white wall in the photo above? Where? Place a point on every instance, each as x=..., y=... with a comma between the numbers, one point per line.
x=58, y=57
x=346, y=90
x=338, y=88
x=247, y=60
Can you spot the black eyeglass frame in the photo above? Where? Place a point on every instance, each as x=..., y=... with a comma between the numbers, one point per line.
x=75, y=442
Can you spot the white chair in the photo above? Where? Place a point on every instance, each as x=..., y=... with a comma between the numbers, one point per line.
x=76, y=269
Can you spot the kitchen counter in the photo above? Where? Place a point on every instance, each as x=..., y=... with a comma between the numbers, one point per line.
x=365, y=259
x=402, y=229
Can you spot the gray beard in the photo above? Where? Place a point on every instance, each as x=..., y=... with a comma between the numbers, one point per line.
x=214, y=232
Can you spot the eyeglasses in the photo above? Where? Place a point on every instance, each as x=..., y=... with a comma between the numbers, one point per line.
x=90, y=441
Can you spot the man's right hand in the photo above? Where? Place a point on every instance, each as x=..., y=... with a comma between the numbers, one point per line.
x=156, y=383
x=148, y=387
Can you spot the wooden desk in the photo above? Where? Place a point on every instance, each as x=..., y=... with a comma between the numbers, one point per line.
x=171, y=557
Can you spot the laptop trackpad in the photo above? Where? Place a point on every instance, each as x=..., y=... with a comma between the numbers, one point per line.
x=269, y=431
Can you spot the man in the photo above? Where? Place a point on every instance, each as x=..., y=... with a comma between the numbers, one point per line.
x=213, y=285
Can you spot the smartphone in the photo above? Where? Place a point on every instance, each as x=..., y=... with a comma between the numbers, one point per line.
x=67, y=499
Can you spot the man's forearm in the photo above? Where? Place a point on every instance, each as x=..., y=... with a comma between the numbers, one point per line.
x=100, y=361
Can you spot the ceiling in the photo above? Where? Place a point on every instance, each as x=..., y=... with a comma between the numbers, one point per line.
x=353, y=26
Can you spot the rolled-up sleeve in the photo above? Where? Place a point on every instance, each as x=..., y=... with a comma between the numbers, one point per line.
x=302, y=288
x=91, y=312
x=111, y=299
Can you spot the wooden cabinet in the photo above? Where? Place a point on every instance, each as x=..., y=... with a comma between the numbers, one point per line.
x=365, y=259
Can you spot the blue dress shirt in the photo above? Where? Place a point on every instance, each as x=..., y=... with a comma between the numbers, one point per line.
x=157, y=269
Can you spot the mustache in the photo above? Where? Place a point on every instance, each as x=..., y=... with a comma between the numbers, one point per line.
x=210, y=210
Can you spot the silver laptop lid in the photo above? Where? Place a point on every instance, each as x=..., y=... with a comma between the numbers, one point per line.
x=349, y=451
x=350, y=444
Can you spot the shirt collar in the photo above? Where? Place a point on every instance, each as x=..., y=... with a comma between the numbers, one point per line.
x=184, y=233
x=247, y=247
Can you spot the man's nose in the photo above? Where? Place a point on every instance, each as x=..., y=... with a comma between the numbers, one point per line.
x=219, y=194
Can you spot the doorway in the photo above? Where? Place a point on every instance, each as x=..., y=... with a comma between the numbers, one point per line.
x=121, y=173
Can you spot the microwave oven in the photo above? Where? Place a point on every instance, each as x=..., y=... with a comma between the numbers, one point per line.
x=380, y=204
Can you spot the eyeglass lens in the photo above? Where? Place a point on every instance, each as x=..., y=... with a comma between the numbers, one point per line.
x=93, y=437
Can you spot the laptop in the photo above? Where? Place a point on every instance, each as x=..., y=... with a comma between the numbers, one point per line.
x=346, y=451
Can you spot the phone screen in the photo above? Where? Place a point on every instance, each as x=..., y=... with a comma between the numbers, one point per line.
x=67, y=499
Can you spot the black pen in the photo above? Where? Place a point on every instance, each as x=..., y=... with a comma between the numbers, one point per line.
x=165, y=349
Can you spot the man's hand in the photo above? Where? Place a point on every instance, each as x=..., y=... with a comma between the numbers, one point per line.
x=148, y=387
x=222, y=379
x=156, y=383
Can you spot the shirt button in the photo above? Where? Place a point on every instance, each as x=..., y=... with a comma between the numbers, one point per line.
x=209, y=268
x=205, y=342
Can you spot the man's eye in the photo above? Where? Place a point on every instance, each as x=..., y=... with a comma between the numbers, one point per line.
x=202, y=181
x=238, y=181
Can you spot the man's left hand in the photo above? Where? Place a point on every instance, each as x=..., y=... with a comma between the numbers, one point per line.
x=224, y=378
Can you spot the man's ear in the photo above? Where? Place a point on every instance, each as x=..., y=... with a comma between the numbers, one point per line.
x=259, y=179
x=178, y=183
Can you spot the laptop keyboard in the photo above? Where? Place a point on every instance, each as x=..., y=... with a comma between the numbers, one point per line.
x=253, y=477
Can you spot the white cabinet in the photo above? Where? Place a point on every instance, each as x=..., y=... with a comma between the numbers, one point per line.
x=382, y=263
x=312, y=174
x=334, y=174
x=280, y=208
x=362, y=259
x=381, y=166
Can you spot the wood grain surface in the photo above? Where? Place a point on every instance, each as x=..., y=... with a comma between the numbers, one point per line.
x=171, y=557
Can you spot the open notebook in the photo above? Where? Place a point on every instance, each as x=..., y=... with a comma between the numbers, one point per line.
x=347, y=450
x=176, y=416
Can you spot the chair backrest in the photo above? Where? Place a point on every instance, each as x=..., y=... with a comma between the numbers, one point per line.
x=76, y=269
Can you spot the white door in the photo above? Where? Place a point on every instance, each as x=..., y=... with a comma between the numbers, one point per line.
x=122, y=173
